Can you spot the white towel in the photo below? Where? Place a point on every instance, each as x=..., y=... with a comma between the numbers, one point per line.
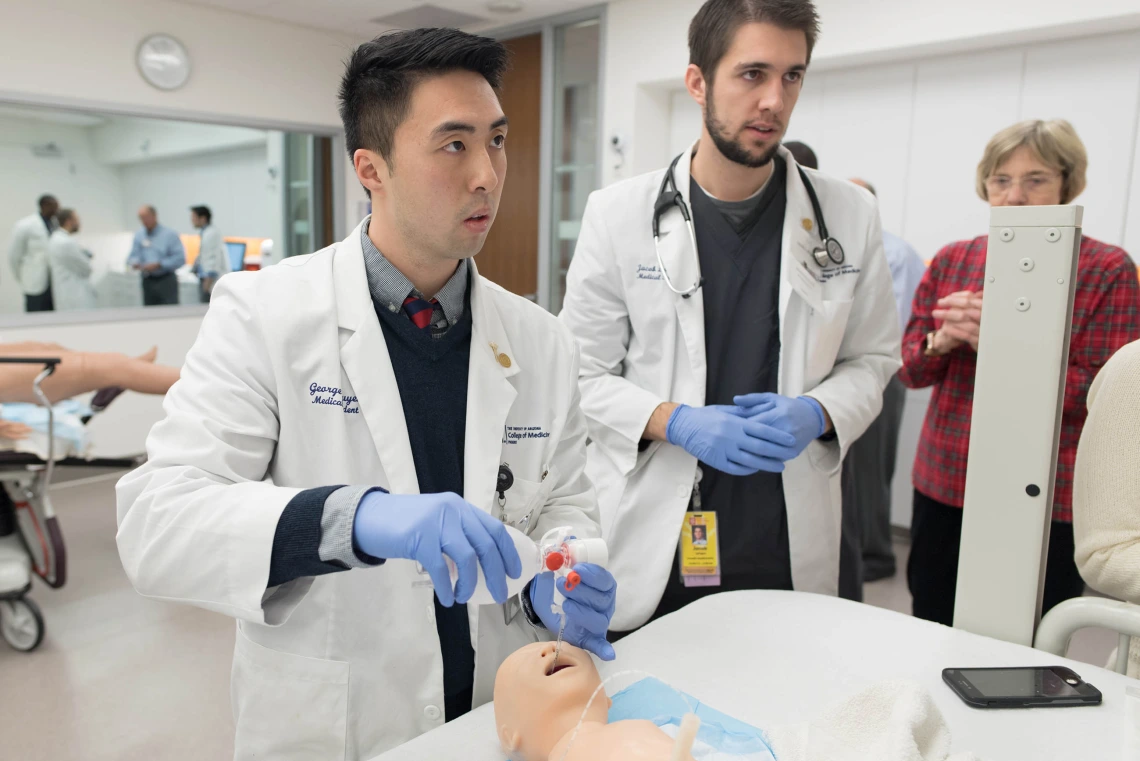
x=891, y=721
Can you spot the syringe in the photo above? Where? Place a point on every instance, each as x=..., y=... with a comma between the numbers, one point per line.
x=559, y=555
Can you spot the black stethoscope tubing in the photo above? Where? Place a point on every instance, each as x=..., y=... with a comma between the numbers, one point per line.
x=829, y=253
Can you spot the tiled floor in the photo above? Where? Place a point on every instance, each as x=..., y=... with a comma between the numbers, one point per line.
x=120, y=677
x=117, y=677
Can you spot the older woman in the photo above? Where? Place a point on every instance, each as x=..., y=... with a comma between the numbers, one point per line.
x=1034, y=163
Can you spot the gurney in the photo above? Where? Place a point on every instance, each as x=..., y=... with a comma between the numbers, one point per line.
x=30, y=537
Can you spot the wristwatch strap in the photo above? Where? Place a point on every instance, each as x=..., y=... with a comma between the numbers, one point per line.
x=929, y=350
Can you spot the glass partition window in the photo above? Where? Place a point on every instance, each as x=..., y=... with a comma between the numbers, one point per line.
x=576, y=64
x=308, y=170
x=98, y=246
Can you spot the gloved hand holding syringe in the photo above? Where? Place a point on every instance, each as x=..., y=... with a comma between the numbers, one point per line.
x=434, y=529
x=570, y=589
x=567, y=558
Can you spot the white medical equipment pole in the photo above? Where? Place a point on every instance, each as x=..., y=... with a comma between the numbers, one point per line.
x=1019, y=391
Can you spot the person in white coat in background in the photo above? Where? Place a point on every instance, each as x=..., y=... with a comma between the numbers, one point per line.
x=27, y=253
x=330, y=415
x=213, y=260
x=727, y=368
x=70, y=266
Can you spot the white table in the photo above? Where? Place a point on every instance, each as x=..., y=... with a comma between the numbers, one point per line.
x=771, y=658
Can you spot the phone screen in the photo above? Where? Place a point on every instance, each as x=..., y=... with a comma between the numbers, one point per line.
x=1019, y=683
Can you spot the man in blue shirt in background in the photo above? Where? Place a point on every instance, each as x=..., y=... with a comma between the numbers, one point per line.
x=872, y=457
x=157, y=253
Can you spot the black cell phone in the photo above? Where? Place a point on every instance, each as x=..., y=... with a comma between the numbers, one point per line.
x=1027, y=687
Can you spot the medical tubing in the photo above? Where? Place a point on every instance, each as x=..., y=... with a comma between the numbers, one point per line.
x=600, y=687
x=690, y=725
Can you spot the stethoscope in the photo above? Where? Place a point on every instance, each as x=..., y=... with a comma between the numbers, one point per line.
x=827, y=254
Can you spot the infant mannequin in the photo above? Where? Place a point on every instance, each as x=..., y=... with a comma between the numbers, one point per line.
x=536, y=712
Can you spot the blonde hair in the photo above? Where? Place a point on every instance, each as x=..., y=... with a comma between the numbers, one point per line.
x=1054, y=142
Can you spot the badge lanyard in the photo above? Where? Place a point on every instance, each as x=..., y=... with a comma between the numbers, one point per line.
x=700, y=543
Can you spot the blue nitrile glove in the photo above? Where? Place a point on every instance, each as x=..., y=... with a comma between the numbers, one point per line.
x=425, y=527
x=724, y=438
x=802, y=417
x=588, y=607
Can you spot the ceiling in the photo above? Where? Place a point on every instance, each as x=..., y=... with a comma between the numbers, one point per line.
x=354, y=17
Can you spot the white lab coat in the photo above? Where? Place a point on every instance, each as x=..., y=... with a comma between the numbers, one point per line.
x=212, y=254
x=345, y=665
x=71, y=287
x=27, y=253
x=643, y=345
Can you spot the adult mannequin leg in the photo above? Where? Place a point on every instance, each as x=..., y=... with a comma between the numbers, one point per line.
x=80, y=372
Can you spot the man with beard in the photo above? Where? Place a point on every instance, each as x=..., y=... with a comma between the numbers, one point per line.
x=737, y=329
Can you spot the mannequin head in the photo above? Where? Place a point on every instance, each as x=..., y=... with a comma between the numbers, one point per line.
x=534, y=710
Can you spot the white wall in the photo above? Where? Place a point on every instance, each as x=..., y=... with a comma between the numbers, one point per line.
x=916, y=129
x=233, y=183
x=646, y=50
x=76, y=178
x=243, y=67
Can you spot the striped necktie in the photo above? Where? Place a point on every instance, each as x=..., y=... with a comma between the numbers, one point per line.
x=420, y=311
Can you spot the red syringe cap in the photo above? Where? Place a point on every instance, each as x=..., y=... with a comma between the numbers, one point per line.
x=572, y=580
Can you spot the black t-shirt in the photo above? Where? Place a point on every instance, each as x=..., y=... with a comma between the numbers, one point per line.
x=739, y=245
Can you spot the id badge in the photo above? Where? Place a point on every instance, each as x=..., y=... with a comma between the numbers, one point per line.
x=700, y=550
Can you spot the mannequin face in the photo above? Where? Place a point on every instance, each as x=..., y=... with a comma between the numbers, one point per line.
x=533, y=711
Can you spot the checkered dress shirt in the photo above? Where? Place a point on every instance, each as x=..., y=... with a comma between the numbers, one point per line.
x=389, y=287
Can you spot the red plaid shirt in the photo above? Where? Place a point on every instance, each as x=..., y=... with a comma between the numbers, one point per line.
x=1106, y=316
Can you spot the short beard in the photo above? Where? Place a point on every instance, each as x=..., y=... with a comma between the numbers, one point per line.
x=730, y=147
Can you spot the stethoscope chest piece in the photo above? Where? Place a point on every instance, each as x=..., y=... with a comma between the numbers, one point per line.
x=831, y=252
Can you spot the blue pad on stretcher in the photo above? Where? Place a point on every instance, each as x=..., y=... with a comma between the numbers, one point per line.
x=720, y=737
x=69, y=414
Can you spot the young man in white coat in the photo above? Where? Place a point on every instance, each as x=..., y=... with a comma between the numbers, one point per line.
x=729, y=378
x=27, y=253
x=70, y=266
x=330, y=415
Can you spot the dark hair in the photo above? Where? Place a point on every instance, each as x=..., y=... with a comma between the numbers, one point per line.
x=203, y=211
x=802, y=153
x=63, y=216
x=716, y=23
x=46, y=199
x=380, y=75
